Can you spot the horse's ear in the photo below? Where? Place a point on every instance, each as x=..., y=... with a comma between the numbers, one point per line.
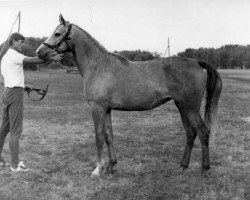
x=62, y=20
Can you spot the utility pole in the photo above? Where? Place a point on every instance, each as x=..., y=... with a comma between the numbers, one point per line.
x=5, y=46
x=167, y=50
x=19, y=21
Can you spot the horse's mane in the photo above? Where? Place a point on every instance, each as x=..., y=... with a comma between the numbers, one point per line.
x=120, y=57
x=102, y=48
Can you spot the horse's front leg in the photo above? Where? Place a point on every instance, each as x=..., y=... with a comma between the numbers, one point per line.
x=99, y=115
x=109, y=141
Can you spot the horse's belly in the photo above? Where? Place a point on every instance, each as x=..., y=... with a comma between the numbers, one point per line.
x=139, y=100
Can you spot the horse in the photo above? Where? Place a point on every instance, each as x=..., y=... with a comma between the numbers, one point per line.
x=111, y=82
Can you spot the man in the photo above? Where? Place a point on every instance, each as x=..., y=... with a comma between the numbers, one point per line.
x=12, y=121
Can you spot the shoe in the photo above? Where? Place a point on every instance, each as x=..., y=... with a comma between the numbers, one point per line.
x=20, y=168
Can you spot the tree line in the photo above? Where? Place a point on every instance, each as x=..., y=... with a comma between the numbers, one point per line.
x=225, y=57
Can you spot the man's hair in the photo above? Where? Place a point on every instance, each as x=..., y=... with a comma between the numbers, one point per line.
x=16, y=37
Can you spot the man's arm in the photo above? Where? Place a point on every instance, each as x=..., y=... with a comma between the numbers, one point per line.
x=36, y=60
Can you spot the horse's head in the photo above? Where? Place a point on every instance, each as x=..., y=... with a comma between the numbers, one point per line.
x=58, y=42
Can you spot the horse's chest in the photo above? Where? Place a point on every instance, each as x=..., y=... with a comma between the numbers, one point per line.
x=96, y=88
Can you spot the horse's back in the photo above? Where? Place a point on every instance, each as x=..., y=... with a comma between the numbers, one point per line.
x=146, y=85
x=182, y=79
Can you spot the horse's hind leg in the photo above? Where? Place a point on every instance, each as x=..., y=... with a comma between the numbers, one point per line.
x=190, y=134
x=99, y=115
x=109, y=142
x=202, y=131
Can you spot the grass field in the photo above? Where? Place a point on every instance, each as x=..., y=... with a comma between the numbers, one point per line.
x=58, y=143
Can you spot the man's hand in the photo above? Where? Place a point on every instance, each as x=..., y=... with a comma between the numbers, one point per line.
x=27, y=88
x=56, y=58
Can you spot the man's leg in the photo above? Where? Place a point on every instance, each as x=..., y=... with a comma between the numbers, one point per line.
x=5, y=126
x=16, y=124
x=4, y=130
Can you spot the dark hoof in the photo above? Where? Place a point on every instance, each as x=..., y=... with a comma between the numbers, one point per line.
x=109, y=170
x=183, y=170
x=184, y=167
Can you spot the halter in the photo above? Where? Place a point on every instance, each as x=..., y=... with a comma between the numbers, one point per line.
x=64, y=39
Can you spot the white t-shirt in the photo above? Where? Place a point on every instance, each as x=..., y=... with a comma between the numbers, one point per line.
x=12, y=69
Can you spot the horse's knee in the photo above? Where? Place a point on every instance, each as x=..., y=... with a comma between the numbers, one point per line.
x=199, y=127
x=99, y=140
x=108, y=139
x=204, y=135
x=190, y=139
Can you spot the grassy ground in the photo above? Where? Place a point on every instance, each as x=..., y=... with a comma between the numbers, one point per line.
x=58, y=143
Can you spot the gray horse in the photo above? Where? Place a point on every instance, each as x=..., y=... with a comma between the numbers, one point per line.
x=111, y=82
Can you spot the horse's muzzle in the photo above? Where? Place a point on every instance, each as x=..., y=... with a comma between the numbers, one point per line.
x=42, y=56
x=45, y=54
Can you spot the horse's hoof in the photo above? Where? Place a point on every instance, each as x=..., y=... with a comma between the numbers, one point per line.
x=181, y=170
x=109, y=170
x=95, y=174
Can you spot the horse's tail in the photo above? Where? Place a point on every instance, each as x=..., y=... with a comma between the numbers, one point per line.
x=213, y=91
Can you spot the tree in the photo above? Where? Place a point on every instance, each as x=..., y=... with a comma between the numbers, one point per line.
x=226, y=57
x=138, y=55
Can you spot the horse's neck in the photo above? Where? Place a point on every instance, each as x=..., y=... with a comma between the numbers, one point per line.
x=86, y=53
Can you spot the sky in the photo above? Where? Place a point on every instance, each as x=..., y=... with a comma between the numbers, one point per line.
x=136, y=24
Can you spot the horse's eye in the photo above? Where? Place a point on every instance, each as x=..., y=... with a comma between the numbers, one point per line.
x=57, y=34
